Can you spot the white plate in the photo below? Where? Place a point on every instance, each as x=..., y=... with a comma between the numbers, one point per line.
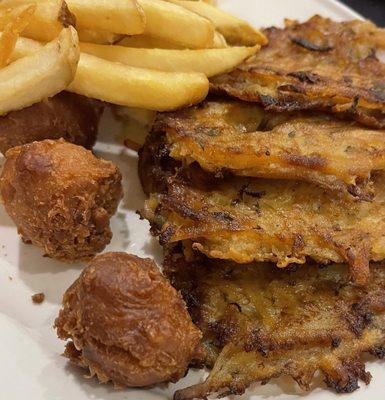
x=30, y=362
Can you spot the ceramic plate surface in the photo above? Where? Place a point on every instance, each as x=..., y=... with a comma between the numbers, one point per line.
x=30, y=363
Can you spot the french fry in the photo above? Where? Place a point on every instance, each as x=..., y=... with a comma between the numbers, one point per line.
x=207, y=61
x=219, y=41
x=41, y=74
x=212, y=2
x=47, y=21
x=137, y=87
x=149, y=42
x=235, y=30
x=117, y=16
x=11, y=33
x=176, y=24
x=128, y=86
x=25, y=47
x=98, y=36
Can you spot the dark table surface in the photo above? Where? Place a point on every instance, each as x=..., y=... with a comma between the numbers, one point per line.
x=372, y=9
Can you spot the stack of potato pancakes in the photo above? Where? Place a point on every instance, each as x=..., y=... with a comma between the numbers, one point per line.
x=283, y=166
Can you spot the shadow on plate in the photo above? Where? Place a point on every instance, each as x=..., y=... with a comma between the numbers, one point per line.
x=91, y=388
x=127, y=162
x=5, y=220
x=43, y=274
x=75, y=386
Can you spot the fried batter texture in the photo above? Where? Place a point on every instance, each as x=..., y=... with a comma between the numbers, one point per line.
x=259, y=322
x=66, y=115
x=246, y=140
x=317, y=65
x=127, y=323
x=249, y=219
x=61, y=197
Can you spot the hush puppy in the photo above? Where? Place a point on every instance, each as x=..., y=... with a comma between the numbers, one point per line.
x=127, y=323
x=61, y=197
x=66, y=115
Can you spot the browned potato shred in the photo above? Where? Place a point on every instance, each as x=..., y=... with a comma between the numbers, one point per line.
x=259, y=322
x=247, y=140
x=320, y=65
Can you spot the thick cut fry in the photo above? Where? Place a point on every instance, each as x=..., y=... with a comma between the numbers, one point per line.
x=136, y=87
x=128, y=86
x=219, y=41
x=11, y=33
x=25, y=47
x=46, y=23
x=118, y=16
x=98, y=36
x=42, y=74
x=208, y=61
x=177, y=25
x=149, y=42
x=235, y=30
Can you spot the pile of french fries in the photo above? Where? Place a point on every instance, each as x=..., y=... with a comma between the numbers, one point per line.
x=150, y=54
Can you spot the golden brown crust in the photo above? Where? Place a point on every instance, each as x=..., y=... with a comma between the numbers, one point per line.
x=73, y=117
x=245, y=140
x=38, y=298
x=318, y=65
x=61, y=197
x=249, y=219
x=127, y=323
x=154, y=164
x=259, y=322
x=66, y=17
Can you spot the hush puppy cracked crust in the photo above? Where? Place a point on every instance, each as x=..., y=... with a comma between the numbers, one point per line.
x=61, y=197
x=127, y=323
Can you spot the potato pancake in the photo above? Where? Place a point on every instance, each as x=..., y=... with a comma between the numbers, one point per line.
x=259, y=322
x=250, y=219
x=319, y=65
x=246, y=140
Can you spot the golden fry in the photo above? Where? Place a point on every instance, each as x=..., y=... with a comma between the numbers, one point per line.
x=137, y=87
x=235, y=30
x=128, y=86
x=41, y=74
x=47, y=21
x=176, y=24
x=207, y=61
x=117, y=16
x=11, y=33
x=150, y=42
x=98, y=36
x=219, y=41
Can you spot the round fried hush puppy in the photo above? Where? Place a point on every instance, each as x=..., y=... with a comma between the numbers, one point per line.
x=127, y=323
x=61, y=197
x=69, y=116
